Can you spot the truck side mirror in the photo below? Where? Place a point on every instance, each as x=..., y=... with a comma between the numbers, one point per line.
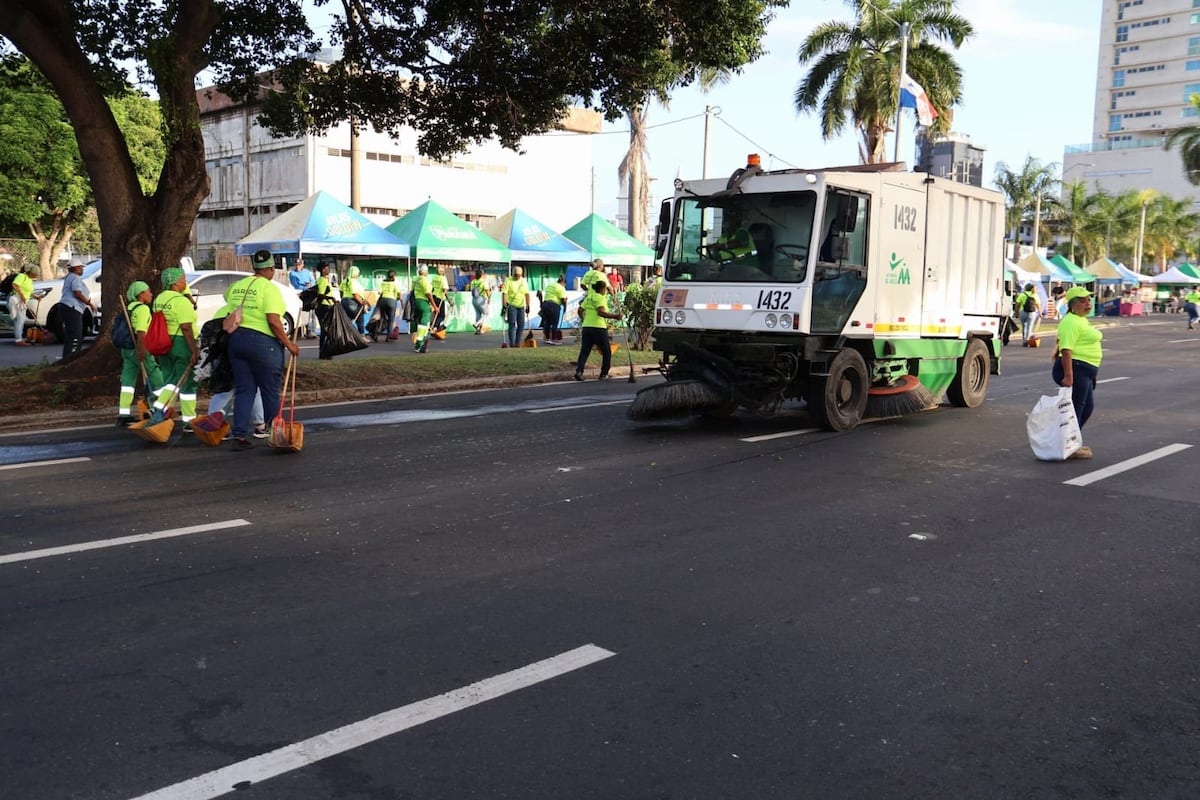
x=664, y=227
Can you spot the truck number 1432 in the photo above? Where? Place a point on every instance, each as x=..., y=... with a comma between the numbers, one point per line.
x=774, y=299
x=906, y=218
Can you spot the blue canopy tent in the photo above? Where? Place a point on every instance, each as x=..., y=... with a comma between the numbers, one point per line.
x=322, y=225
x=531, y=241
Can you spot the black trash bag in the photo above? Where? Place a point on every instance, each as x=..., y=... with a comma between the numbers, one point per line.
x=309, y=298
x=338, y=335
x=375, y=321
x=213, y=368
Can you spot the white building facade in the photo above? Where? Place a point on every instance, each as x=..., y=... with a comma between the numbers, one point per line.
x=551, y=178
x=1149, y=66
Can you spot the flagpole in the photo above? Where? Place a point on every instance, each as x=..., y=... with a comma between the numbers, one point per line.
x=904, y=28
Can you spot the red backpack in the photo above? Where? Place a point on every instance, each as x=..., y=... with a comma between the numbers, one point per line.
x=158, y=341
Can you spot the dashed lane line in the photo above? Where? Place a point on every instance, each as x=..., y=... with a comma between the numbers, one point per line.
x=1114, y=380
x=245, y=774
x=577, y=406
x=30, y=555
x=1126, y=465
x=47, y=463
x=766, y=437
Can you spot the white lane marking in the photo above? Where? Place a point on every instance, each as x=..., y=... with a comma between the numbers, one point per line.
x=1112, y=380
x=577, y=406
x=1128, y=464
x=1181, y=341
x=50, y=463
x=254, y=770
x=30, y=555
x=766, y=437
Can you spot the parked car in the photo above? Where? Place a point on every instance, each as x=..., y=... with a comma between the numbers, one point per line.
x=208, y=289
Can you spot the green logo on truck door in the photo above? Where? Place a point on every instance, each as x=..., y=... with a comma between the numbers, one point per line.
x=898, y=272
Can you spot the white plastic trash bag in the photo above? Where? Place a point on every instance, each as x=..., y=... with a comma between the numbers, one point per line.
x=1053, y=429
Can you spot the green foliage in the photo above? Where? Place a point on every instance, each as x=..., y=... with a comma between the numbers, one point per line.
x=638, y=305
x=44, y=188
x=854, y=70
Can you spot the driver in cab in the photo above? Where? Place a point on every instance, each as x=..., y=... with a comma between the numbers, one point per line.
x=731, y=246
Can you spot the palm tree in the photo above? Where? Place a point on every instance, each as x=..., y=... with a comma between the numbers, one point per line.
x=1170, y=224
x=1187, y=138
x=1069, y=215
x=1024, y=191
x=633, y=172
x=855, y=67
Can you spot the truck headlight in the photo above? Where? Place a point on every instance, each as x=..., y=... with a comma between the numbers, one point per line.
x=772, y=320
x=785, y=321
x=664, y=317
x=680, y=317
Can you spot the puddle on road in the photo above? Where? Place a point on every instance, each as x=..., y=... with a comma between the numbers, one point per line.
x=46, y=451
x=436, y=414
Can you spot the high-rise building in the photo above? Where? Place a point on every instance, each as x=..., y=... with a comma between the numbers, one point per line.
x=951, y=156
x=1149, y=67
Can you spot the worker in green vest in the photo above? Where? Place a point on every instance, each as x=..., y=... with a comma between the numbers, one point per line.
x=422, y=294
x=441, y=291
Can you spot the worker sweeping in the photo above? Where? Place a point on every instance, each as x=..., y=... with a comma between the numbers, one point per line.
x=594, y=332
x=135, y=360
x=423, y=303
x=177, y=364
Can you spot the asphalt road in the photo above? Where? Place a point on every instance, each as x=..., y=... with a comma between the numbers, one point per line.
x=520, y=594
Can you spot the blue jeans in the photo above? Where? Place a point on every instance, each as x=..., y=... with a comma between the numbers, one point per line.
x=1028, y=321
x=1082, y=387
x=516, y=325
x=257, y=361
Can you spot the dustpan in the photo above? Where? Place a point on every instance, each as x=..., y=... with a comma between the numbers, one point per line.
x=159, y=427
x=151, y=431
x=288, y=435
x=211, y=428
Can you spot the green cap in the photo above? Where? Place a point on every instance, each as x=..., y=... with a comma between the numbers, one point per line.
x=170, y=275
x=262, y=259
x=136, y=288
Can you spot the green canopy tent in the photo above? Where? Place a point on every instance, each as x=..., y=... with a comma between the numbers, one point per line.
x=1078, y=274
x=609, y=243
x=436, y=235
x=1189, y=270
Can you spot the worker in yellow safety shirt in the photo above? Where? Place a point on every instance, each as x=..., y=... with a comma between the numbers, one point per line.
x=441, y=290
x=596, y=273
x=732, y=245
x=180, y=315
x=422, y=296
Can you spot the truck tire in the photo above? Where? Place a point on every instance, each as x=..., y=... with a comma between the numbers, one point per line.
x=970, y=384
x=837, y=401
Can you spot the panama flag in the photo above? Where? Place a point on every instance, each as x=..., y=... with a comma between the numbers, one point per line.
x=913, y=96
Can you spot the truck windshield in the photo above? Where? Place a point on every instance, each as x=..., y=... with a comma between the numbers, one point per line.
x=739, y=238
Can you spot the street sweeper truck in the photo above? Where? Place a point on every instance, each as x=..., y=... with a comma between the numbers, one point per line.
x=862, y=291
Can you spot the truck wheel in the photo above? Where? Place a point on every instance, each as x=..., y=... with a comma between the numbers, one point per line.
x=289, y=327
x=970, y=384
x=837, y=401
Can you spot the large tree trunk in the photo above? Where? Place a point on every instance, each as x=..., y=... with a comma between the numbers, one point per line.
x=141, y=235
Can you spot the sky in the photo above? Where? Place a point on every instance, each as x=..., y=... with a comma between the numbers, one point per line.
x=1029, y=78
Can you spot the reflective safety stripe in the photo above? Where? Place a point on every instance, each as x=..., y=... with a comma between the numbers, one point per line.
x=722, y=307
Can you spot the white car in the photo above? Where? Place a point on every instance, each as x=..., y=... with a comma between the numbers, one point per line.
x=208, y=289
